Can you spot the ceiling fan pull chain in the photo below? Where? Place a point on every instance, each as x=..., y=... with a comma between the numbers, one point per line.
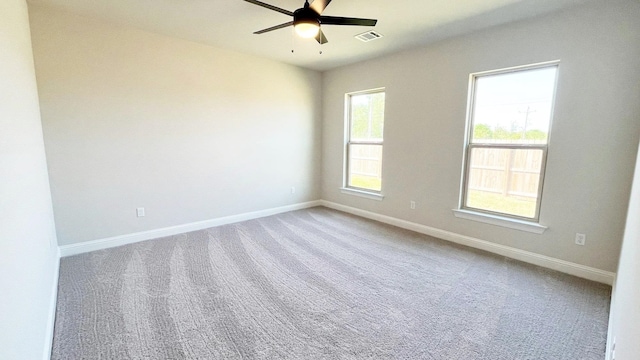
x=293, y=39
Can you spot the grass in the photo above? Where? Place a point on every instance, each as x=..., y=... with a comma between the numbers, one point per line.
x=519, y=206
x=515, y=205
x=366, y=182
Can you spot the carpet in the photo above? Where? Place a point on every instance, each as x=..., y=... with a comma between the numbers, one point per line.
x=320, y=284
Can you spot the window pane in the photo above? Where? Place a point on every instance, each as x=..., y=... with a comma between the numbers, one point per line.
x=513, y=108
x=367, y=116
x=504, y=180
x=365, y=166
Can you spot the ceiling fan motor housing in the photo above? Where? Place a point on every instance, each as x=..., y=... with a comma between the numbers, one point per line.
x=306, y=15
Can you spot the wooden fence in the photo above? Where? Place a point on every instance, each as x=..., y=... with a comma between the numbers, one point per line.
x=510, y=172
x=365, y=160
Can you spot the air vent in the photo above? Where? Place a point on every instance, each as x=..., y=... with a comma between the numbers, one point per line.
x=368, y=36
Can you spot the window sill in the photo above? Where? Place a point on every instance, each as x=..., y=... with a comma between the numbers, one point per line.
x=362, y=193
x=521, y=225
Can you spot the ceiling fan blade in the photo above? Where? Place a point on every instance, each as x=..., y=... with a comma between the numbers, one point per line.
x=270, y=7
x=321, y=38
x=334, y=20
x=319, y=5
x=274, y=28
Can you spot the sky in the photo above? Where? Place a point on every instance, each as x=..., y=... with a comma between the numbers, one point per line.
x=506, y=100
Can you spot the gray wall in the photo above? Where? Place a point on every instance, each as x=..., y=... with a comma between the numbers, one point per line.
x=593, y=142
x=189, y=132
x=28, y=249
x=625, y=310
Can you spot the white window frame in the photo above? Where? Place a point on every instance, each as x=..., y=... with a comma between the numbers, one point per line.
x=492, y=217
x=346, y=188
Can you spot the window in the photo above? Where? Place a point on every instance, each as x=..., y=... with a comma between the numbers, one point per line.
x=509, y=121
x=365, y=119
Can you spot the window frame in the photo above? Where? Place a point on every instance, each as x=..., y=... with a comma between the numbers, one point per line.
x=469, y=145
x=354, y=190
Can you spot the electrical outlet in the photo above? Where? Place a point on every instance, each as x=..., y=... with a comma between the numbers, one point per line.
x=293, y=189
x=412, y=205
x=581, y=239
x=140, y=212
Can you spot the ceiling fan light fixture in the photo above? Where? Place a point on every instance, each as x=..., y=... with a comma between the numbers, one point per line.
x=307, y=19
x=307, y=28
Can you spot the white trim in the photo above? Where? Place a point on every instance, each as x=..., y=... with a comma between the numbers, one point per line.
x=52, y=308
x=582, y=271
x=567, y=267
x=516, y=224
x=611, y=337
x=346, y=174
x=99, y=244
x=362, y=193
x=469, y=124
x=519, y=68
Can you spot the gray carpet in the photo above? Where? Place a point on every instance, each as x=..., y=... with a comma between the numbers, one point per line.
x=320, y=284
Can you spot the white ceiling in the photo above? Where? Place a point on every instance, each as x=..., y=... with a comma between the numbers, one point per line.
x=230, y=23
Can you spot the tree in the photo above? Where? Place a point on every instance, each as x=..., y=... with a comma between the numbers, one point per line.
x=367, y=116
x=482, y=131
x=536, y=135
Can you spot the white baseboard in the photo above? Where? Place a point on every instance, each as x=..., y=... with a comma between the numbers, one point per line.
x=582, y=271
x=74, y=249
x=610, y=335
x=567, y=267
x=52, y=309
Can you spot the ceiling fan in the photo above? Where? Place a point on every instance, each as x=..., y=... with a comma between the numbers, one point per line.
x=308, y=19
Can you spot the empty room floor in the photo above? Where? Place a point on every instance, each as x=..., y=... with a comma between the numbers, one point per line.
x=320, y=284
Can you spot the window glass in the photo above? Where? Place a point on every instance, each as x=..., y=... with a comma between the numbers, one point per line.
x=365, y=166
x=365, y=140
x=510, y=120
x=514, y=107
x=504, y=180
x=367, y=116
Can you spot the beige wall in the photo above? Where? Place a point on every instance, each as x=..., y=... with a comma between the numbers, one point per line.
x=189, y=132
x=626, y=308
x=593, y=142
x=28, y=249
